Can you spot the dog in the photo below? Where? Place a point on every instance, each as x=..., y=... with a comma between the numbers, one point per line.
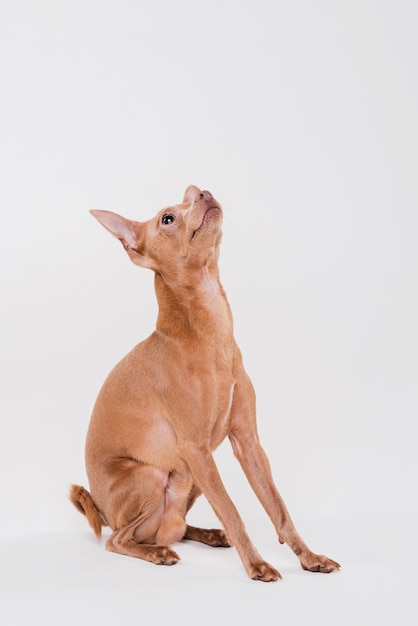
x=173, y=399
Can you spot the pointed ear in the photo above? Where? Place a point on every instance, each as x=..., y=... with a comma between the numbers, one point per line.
x=191, y=193
x=128, y=232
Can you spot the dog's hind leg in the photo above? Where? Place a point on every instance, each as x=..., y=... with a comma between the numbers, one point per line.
x=214, y=537
x=122, y=541
x=143, y=512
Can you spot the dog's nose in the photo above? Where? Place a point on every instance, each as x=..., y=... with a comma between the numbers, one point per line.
x=204, y=195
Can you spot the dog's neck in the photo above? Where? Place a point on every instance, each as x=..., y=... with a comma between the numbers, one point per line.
x=196, y=308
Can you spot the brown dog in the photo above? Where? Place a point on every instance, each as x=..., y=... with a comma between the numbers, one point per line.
x=172, y=400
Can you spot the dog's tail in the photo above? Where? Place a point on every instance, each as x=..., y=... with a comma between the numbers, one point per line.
x=83, y=501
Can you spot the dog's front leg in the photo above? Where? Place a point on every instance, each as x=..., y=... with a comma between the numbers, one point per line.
x=256, y=466
x=205, y=474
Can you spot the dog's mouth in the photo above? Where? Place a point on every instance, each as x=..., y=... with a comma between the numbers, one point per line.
x=209, y=214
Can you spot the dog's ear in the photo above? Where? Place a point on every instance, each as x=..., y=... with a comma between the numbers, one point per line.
x=128, y=232
x=190, y=193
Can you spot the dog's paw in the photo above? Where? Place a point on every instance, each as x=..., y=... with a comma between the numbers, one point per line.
x=264, y=572
x=319, y=563
x=212, y=537
x=163, y=556
x=216, y=538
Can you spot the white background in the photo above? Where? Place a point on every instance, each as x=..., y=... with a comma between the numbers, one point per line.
x=301, y=118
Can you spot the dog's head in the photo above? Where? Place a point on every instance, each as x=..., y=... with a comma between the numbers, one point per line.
x=180, y=239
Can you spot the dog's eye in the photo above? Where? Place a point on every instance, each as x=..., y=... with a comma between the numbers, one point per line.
x=167, y=219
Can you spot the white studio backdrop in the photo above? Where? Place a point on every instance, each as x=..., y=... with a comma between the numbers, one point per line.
x=300, y=118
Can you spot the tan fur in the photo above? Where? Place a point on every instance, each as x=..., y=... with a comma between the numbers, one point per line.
x=172, y=400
